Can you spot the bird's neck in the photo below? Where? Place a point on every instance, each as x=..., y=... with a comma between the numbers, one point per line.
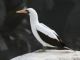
x=34, y=18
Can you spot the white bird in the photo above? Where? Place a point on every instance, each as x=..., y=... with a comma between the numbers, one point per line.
x=45, y=35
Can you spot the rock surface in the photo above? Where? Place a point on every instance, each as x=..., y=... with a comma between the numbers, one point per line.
x=51, y=55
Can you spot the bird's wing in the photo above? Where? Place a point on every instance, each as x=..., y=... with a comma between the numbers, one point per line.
x=46, y=30
x=49, y=29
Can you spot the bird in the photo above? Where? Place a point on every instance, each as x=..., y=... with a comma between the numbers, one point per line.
x=45, y=35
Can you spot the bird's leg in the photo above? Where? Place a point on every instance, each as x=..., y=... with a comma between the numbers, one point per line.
x=42, y=50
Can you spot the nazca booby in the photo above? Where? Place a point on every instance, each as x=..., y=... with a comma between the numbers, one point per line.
x=41, y=31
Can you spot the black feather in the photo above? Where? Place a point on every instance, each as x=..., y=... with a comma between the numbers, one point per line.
x=51, y=41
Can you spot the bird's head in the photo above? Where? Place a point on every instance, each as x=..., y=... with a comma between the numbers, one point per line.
x=29, y=11
x=32, y=13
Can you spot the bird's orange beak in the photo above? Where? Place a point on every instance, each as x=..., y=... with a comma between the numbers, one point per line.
x=22, y=11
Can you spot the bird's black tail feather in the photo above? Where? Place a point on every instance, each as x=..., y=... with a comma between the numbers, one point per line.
x=61, y=44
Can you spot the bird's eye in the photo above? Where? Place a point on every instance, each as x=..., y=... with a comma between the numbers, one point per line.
x=27, y=11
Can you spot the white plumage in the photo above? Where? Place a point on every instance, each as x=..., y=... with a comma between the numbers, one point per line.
x=45, y=30
x=37, y=26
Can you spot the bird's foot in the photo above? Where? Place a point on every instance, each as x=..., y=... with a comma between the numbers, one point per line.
x=50, y=48
x=46, y=48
